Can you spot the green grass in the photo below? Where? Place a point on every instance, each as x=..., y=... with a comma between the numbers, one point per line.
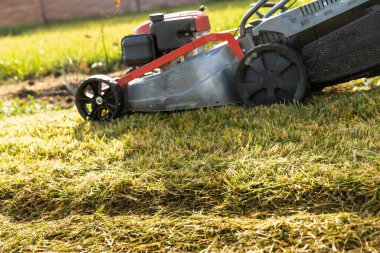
x=28, y=106
x=28, y=52
x=303, y=178
x=298, y=178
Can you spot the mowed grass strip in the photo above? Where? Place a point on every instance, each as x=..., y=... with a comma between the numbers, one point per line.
x=301, y=232
x=269, y=178
x=319, y=157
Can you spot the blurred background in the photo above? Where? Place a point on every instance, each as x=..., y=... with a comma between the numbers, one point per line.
x=21, y=12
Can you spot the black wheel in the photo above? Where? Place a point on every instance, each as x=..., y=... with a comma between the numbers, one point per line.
x=271, y=74
x=99, y=98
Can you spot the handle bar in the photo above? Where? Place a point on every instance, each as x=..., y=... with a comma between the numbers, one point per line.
x=255, y=8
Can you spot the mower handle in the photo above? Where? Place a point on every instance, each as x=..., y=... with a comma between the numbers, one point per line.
x=279, y=5
x=267, y=5
x=255, y=8
x=249, y=14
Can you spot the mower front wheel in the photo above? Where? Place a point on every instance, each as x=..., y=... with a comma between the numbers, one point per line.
x=99, y=98
x=271, y=74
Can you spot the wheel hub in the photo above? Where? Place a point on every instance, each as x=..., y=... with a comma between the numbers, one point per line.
x=99, y=100
x=272, y=80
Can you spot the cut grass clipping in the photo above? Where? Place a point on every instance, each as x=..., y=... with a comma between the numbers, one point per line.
x=280, y=178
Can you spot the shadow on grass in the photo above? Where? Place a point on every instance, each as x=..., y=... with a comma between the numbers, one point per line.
x=197, y=232
x=348, y=196
x=333, y=105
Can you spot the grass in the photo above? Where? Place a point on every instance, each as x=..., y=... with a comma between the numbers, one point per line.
x=301, y=178
x=28, y=106
x=28, y=52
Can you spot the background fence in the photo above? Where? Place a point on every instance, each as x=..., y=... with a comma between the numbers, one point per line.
x=20, y=12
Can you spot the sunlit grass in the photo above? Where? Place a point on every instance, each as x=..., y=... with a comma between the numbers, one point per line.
x=281, y=177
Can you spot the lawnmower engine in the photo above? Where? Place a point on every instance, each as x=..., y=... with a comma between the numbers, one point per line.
x=163, y=34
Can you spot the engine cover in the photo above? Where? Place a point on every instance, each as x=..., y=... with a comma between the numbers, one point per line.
x=138, y=50
x=202, y=22
x=175, y=33
x=162, y=34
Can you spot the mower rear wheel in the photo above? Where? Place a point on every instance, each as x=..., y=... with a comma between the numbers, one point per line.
x=271, y=74
x=99, y=98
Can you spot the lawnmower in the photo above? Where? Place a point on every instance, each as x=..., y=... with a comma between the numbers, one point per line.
x=278, y=58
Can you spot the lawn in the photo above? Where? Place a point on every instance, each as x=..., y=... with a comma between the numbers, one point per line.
x=302, y=178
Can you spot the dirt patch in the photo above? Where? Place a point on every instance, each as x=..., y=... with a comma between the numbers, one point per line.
x=53, y=90
x=56, y=90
